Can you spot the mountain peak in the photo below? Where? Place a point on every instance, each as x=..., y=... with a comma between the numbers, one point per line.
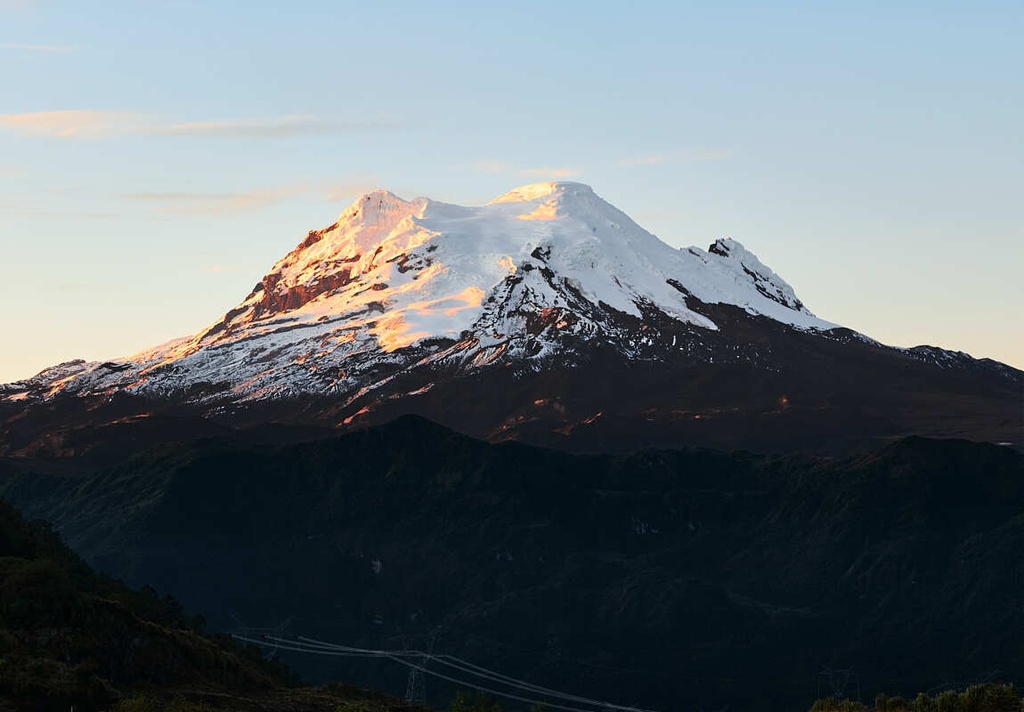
x=765, y=281
x=379, y=207
x=538, y=191
x=393, y=282
x=727, y=247
x=391, y=273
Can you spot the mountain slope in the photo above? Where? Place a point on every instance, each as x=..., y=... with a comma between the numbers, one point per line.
x=73, y=639
x=400, y=305
x=650, y=578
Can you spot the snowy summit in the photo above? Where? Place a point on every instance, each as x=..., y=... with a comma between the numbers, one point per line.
x=408, y=283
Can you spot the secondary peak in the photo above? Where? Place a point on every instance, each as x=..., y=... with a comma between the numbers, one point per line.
x=375, y=204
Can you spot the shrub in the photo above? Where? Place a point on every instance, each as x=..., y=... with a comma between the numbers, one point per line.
x=830, y=704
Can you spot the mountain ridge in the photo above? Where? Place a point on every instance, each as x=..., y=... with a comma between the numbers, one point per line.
x=410, y=306
x=356, y=272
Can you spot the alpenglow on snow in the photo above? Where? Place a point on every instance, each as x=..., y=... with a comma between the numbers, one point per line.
x=413, y=283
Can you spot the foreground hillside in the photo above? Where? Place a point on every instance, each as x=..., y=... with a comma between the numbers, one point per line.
x=72, y=639
x=660, y=578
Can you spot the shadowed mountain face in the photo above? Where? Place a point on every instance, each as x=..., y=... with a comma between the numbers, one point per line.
x=663, y=578
x=73, y=639
x=546, y=316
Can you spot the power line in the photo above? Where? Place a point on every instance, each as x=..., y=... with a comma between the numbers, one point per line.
x=401, y=661
x=407, y=657
x=494, y=676
x=565, y=661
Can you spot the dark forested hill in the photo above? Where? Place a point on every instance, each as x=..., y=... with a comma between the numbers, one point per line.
x=668, y=579
x=73, y=639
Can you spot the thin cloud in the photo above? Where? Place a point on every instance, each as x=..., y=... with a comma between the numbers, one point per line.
x=49, y=213
x=563, y=172
x=706, y=154
x=217, y=204
x=347, y=191
x=235, y=202
x=85, y=123
x=46, y=48
x=77, y=123
x=279, y=127
x=688, y=156
x=501, y=167
x=492, y=167
x=643, y=160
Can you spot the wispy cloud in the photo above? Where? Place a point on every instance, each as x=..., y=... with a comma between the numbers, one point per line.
x=217, y=203
x=686, y=156
x=562, y=172
x=86, y=123
x=278, y=127
x=46, y=48
x=492, y=167
x=501, y=167
x=81, y=123
x=644, y=160
x=236, y=202
x=42, y=212
x=347, y=191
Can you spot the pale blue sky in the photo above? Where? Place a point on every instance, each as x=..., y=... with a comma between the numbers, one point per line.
x=157, y=157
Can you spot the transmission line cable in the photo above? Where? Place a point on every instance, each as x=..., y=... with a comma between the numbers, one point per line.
x=494, y=676
x=312, y=646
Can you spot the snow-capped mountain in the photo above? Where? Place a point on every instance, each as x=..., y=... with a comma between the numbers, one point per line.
x=397, y=297
x=478, y=285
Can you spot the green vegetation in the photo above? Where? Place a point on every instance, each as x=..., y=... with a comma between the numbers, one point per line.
x=151, y=704
x=477, y=702
x=70, y=638
x=830, y=704
x=995, y=697
x=653, y=576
